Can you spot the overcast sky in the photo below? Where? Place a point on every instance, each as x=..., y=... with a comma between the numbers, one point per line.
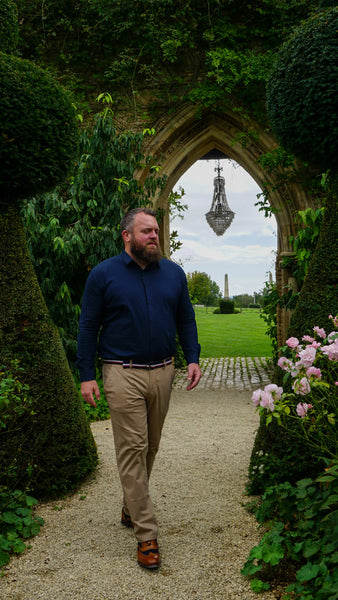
x=246, y=251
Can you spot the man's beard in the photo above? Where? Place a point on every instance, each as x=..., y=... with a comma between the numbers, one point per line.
x=146, y=254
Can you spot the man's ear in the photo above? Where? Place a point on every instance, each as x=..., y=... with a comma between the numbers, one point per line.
x=126, y=236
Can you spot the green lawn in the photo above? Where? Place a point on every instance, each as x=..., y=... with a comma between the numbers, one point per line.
x=241, y=334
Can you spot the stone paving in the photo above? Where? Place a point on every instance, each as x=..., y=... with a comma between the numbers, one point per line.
x=241, y=373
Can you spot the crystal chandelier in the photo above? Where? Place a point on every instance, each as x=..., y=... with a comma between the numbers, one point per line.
x=219, y=216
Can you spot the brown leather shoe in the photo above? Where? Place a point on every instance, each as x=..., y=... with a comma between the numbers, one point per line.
x=148, y=555
x=126, y=519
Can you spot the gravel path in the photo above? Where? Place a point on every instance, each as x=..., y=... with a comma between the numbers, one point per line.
x=197, y=487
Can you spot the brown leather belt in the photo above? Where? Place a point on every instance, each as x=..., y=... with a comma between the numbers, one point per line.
x=130, y=364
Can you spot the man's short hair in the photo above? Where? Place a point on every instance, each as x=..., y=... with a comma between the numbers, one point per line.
x=127, y=222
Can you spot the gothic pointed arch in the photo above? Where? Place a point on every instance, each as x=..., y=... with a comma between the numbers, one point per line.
x=183, y=138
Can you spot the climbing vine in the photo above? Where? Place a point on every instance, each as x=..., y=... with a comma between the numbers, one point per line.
x=180, y=49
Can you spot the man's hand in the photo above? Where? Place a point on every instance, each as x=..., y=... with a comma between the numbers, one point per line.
x=89, y=389
x=194, y=375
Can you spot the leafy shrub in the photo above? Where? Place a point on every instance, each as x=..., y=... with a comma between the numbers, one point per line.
x=227, y=307
x=302, y=531
x=8, y=26
x=39, y=130
x=254, y=305
x=17, y=522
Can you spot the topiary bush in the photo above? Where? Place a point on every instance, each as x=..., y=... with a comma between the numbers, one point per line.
x=9, y=32
x=38, y=130
x=52, y=434
x=302, y=91
x=226, y=307
x=52, y=448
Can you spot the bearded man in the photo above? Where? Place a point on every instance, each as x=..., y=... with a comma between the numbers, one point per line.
x=132, y=307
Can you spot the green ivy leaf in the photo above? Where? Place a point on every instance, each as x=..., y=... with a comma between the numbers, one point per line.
x=4, y=558
x=311, y=548
x=273, y=554
x=10, y=517
x=308, y=572
x=18, y=546
x=257, y=585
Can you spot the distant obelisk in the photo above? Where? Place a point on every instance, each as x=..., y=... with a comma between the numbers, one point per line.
x=226, y=287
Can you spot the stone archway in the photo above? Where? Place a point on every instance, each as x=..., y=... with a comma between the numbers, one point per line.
x=183, y=138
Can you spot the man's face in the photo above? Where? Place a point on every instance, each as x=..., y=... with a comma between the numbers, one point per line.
x=144, y=239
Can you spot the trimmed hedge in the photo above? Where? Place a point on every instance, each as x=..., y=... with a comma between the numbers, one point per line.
x=226, y=307
x=277, y=456
x=54, y=438
x=319, y=295
x=9, y=31
x=52, y=448
x=302, y=91
x=38, y=130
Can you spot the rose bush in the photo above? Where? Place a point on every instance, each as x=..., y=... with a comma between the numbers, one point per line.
x=300, y=517
x=310, y=369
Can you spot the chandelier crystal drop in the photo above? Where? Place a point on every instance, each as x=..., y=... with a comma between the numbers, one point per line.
x=220, y=216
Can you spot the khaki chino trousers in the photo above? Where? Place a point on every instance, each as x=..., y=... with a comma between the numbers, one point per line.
x=138, y=401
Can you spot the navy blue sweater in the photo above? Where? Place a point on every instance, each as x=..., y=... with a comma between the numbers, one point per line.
x=130, y=313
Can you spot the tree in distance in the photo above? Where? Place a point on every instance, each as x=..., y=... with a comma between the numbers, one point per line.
x=202, y=289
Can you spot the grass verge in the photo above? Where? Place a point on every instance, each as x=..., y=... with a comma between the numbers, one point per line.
x=241, y=334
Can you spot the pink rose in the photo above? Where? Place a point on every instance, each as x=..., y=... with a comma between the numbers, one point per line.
x=284, y=363
x=295, y=368
x=314, y=372
x=292, y=342
x=334, y=319
x=307, y=356
x=267, y=401
x=331, y=350
x=320, y=332
x=302, y=409
x=307, y=338
x=301, y=386
x=274, y=390
x=256, y=397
